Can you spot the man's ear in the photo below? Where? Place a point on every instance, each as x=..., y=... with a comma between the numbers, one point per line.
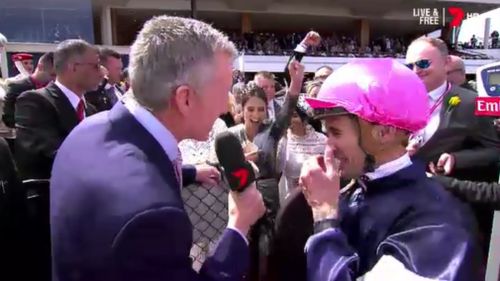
x=447, y=62
x=383, y=134
x=181, y=99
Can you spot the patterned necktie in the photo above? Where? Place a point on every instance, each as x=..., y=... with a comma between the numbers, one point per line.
x=178, y=167
x=80, y=111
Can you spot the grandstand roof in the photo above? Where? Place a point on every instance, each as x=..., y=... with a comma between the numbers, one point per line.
x=390, y=9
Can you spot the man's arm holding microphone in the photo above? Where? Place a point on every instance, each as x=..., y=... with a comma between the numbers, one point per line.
x=154, y=245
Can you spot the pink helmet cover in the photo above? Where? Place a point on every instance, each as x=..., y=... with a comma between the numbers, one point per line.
x=382, y=91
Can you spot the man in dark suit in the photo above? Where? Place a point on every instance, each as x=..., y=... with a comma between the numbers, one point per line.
x=116, y=206
x=455, y=142
x=109, y=91
x=266, y=81
x=46, y=116
x=43, y=74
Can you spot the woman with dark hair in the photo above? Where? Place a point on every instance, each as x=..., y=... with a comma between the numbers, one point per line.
x=299, y=143
x=259, y=138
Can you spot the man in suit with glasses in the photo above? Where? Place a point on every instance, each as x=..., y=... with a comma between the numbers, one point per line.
x=455, y=142
x=46, y=116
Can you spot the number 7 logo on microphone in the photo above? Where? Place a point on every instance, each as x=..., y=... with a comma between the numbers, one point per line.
x=242, y=176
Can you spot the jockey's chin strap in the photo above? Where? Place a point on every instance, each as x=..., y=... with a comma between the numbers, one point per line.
x=369, y=162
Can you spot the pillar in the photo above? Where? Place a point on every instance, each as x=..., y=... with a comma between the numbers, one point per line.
x=106, y=26
x=364, y=36
x=3, y=62
x=194, y=9
x=246, y=23
x=487, y=23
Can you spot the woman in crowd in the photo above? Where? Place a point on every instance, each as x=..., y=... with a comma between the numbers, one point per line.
x=300, y=142
x=260, y=138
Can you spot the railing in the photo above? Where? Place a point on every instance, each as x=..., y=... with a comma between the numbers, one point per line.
x=207, y=210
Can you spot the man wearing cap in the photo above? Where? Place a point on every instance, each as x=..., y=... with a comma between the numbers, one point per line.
x=392, y=223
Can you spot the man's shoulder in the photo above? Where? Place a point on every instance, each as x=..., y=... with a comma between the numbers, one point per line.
x=466, y=96
x=21, y=82
x=35, y=96
x=19, y=86
x=97, y=137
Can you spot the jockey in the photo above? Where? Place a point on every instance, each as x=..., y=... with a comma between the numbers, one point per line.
x=392, y=222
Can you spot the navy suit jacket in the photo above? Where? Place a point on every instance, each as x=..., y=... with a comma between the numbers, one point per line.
x=117, y=211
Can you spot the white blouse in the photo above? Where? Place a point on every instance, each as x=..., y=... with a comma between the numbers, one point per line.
x=199, y=152
x=293, y=151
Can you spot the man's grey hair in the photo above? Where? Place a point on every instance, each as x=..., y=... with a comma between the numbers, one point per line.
x=170, y=52
x=68, y=50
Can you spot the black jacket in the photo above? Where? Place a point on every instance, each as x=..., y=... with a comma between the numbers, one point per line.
x=13, y=90
x=13, y=217
x=44, y=118
x=474, y=192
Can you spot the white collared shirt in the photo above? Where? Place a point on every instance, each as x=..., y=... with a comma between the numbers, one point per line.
x=390, y=167
x=159, y=132
x=73, y=98
x=271, y=113
x=434, y=120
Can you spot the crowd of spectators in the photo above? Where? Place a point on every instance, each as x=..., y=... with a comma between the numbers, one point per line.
x=333, y=45
x=477, y=43
x=273, y=44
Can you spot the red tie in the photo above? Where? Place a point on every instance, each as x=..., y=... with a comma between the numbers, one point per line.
x=80, y=111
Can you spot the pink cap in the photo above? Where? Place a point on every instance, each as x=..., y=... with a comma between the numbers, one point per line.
x=382, y=91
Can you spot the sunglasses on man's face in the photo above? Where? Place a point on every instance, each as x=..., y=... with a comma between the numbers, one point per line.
x=422, y=64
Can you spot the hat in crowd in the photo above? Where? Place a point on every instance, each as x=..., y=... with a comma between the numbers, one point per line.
x=303, y=108
x=22, y=57
x=382, y=91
